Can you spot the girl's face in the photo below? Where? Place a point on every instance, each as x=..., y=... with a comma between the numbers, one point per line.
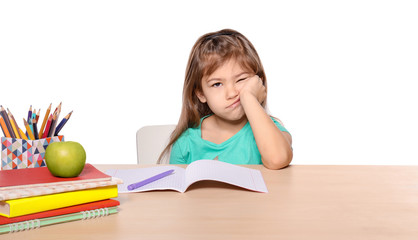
x=221, y=90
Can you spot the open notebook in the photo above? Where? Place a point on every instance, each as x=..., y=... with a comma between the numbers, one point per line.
x=181, y=179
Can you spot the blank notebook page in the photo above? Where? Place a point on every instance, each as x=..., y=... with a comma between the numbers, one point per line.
x=225, y=172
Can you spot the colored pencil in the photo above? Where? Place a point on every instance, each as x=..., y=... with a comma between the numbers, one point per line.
x=14, y=126
x=58, y=115
x=62, y=123
x=33, y=117
x=29, y=117
x=13, y=120
x=58, y=108
x=22, y=134
x=30, y=122
x=7, y=121
x=54, y=121
x=41, y=132
x=30, y=113
x=35, y=129
x=31, y=136
x=49, y=133
x=37, y=115
x=48, y=126
x=4, y=127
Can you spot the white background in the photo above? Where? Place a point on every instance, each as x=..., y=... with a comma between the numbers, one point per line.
x=341, y=74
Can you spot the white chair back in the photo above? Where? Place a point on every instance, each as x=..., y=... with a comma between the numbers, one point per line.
x=151, y=141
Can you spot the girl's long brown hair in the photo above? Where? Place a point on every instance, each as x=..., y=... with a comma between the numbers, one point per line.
x=208, y=53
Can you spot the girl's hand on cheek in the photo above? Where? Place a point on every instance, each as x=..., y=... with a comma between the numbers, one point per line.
x=253, y=87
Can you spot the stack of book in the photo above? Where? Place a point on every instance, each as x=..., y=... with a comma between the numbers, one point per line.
x=32, y=197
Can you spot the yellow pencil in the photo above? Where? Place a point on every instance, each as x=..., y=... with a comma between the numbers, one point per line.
x=30, y=133
x=41, y=132
x=13, y=126
x=22, y=134
x=16, y=127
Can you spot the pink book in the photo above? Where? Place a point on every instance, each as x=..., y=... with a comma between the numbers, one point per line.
x=41, y=175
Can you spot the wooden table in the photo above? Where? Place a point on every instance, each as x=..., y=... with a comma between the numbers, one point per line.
x=304, y=202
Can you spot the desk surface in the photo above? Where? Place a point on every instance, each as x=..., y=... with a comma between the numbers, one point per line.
x=304, y=202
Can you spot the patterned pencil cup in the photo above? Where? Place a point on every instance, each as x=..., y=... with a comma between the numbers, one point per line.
x=20, y=153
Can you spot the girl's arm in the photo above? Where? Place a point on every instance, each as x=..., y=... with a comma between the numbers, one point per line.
x=273, y=144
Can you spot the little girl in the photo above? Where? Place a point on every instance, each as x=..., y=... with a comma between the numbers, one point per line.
x=223, y=115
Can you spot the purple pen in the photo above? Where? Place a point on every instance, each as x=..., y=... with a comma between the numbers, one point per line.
x=134, y=186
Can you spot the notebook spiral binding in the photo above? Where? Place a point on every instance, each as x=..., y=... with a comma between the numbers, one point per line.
x=36, y=223
x=101, y=212
x=26, y=225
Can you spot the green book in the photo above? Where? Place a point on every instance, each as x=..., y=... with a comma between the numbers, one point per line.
x=40, y=222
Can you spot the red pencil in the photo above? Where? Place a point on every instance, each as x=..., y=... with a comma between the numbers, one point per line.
x=48, y=126
x=53, y=125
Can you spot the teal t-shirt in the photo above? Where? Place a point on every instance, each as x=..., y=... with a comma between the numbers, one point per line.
x=239, y=149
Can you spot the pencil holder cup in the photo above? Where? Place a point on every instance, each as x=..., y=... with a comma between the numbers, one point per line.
x=20, y=153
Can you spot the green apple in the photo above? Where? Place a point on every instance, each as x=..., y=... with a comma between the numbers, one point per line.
x=65, y=159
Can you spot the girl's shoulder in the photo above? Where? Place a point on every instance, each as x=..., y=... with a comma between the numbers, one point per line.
x=192, y=133
x=189, y=133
